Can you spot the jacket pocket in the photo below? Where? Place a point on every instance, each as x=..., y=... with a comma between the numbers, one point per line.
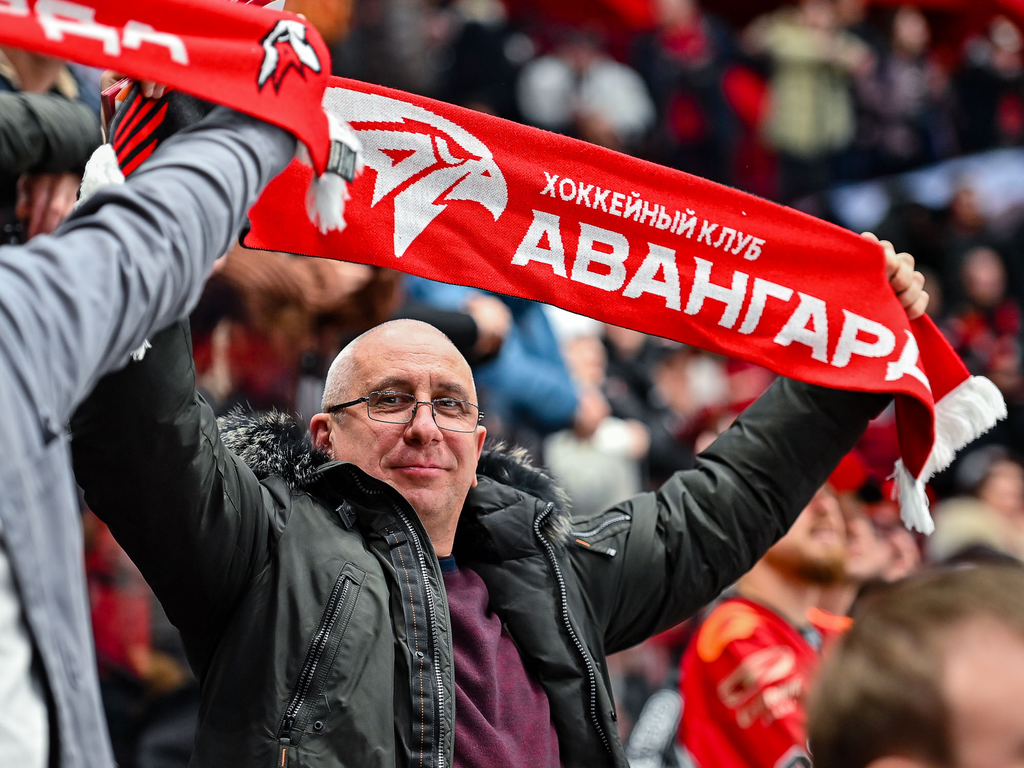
x=319, y=660
x=599, y=533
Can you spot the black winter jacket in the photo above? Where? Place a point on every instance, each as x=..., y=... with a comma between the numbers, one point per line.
x=311, y=602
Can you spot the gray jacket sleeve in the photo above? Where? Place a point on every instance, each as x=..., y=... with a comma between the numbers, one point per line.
x=45, y=133
x=131, y=260
x=659, y=557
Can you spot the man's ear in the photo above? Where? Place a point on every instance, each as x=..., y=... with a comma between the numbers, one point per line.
x=320, y=433
x=481, y=435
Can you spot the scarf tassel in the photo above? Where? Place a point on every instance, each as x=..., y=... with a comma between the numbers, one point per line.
x=965, y=413
x=326, y=195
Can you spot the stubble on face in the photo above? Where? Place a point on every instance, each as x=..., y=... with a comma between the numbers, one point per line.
x=814, y=550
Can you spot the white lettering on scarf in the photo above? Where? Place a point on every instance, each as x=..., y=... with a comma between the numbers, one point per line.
x=655, y=215
x=60, y=18
x=602, y=260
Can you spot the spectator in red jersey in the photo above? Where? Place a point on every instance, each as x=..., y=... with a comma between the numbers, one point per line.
x=745, y=675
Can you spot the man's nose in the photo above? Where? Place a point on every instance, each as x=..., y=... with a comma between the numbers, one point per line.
x=422, y=427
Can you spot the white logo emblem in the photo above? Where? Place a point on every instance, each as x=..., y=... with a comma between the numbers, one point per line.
x=285, y=47
x=427, y=160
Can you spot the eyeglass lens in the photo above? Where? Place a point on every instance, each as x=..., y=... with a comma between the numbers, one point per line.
x=398, y=408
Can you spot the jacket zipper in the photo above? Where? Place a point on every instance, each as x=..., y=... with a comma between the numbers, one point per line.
x=431, y=616
x=335, y=605
x=601, y=527
x=436, y=639
x=563, y=593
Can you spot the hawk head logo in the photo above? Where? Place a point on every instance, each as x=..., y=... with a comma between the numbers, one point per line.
x=426, y=160
x=285, y=47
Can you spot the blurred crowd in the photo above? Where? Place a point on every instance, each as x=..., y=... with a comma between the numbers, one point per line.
x=789, y=105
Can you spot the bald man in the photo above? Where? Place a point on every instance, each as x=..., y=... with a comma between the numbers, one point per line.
x=390, y=594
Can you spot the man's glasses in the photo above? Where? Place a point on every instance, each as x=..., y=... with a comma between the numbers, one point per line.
x=390, y=407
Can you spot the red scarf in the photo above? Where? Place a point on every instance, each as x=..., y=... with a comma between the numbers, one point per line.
x=467, y=198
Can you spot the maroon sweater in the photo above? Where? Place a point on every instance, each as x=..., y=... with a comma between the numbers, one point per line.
x=502, y=716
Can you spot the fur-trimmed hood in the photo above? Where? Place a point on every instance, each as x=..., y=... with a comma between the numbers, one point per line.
x=272, y=443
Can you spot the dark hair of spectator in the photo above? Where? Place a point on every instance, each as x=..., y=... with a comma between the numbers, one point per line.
x=880, y=689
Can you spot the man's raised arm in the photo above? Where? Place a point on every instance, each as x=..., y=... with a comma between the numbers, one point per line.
x=707, y=526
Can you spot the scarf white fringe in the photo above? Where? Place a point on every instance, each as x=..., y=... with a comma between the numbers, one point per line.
x=913, y=501
x=966, y=412
x=101, y=171
x=327, y=195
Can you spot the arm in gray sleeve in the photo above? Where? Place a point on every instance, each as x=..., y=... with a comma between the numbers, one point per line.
x=131, y=260
x=45, y=133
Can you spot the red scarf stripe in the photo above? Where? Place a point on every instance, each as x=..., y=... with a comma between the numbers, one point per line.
x=143, y=133
x=138, y=111
x=131, y=115
x=139, y=158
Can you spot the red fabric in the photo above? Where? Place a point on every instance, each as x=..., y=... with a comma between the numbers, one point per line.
x=744, y=679
x=463, y=197
x=120, y=603
x=266, y=63
x=851, y=474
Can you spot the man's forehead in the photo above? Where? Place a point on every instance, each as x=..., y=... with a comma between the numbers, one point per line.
x=410, y=357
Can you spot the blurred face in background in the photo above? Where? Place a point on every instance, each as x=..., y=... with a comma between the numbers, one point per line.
x=867, y=552
x=818, y=14
x=910, y=34
x=676, y=13
x=1003, y=489
x=814, y=550
x=984, y=277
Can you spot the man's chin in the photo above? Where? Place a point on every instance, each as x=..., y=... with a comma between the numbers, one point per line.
x=824, y=570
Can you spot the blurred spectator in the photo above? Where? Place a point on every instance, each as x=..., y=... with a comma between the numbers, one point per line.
x=482, y=58
x=990, y=88
x=632, y=394
x=966, y=227
x=119, y=599
x=392, y=43
x=694, y=387
x=598, y=461
x=579, y=90
x=683, y=63
x=905, y=118
x=150, y=697
x=852, y=17
x=264, y=313
x=811, y=119
x=745, y=675
x=989, y=515
x=986, y=329
x=929, y=675
x=47, y=133
x=878, y=546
